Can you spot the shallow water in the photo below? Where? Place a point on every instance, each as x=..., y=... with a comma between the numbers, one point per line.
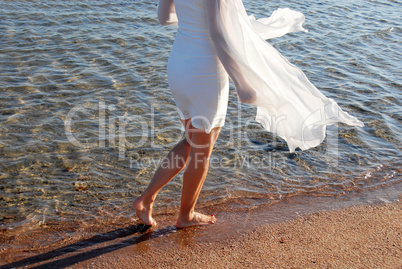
x=86, y=113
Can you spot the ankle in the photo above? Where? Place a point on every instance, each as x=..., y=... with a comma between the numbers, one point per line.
x=186, y=215
x=145, y=200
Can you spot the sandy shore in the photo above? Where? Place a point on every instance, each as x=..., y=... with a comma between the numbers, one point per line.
x=356, y=237
x=366, y=236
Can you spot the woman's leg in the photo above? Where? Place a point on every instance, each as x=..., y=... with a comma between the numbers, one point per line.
x=194, y=176
x=173, y=163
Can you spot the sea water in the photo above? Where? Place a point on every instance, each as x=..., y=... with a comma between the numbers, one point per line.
x=86, y=114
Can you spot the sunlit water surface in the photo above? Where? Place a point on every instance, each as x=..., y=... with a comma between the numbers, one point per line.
x=86, y=113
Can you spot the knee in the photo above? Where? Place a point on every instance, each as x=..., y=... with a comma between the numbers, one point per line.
x=202, y=143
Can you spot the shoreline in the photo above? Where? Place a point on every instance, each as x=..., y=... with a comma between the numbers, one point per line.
x=237, y=235
x=354, y=237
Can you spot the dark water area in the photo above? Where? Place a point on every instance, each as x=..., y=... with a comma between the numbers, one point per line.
x=86, y=114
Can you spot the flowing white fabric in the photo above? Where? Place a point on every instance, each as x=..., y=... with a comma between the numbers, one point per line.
x=287, y=102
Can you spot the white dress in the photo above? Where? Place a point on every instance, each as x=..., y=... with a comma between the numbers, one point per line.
x=196, y=77
x=287, y=103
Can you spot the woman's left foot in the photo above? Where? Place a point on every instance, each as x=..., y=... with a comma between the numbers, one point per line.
x=144, y=211
x=197, y=219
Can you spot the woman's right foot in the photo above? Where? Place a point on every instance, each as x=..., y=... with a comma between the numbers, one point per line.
x=143, y=211
x=197, y=219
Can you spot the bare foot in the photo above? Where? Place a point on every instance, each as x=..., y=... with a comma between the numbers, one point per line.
x=196, y=220
x=143, y=211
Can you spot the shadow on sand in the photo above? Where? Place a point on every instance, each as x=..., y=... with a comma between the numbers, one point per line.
x=144, y=233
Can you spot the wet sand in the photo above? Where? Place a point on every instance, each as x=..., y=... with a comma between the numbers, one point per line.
x=328, y=235
x=356, y=237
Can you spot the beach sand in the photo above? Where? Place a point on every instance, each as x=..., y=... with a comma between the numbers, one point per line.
x=359, y=236
x=356, y=237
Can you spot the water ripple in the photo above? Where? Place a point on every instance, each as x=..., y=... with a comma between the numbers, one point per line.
x=108, y=61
